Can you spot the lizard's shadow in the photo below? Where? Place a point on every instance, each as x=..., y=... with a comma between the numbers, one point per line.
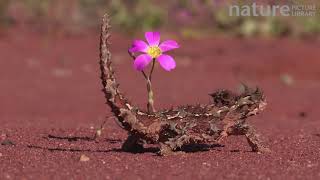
x=51, y=137
x=192, y=148
x=80, y=138
x=87, y=139
x=60, y=149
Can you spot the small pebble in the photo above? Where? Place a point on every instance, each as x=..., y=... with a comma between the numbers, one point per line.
x=98, y=132
x=287, y=79
x=84, y=158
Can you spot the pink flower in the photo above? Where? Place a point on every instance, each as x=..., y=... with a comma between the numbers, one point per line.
x=153, y=50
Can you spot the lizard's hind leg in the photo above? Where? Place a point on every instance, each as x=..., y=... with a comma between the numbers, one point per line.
x=132, y=144
x=252, y=137
x=174, y=145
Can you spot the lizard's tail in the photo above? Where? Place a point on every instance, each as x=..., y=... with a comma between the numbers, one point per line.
x=120, y=107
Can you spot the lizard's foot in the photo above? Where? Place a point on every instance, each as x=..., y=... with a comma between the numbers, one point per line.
x=165, y=150
x=254, y=142
x=132, y=144
x=252, y=138
x=257, y=146
x=263, y=149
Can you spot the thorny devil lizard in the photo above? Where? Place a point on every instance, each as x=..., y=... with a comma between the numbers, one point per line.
x=171, y=129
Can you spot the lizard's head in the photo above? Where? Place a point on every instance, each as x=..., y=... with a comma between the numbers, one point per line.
x=250, y=102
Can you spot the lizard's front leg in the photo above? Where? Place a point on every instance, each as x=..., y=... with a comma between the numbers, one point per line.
x=252, y=137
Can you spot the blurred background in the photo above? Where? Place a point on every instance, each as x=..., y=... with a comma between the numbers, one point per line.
x=189, y=18
x=49, y=72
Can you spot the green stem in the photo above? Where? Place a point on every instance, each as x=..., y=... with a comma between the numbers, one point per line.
x=150, y=104
x=144, y=75
x=152, y=68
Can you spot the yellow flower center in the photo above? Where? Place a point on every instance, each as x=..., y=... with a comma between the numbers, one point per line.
x=154, y=51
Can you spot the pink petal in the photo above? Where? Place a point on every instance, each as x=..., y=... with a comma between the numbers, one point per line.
x=142, y=61
x=153, y=38
x=167, y=62
x=168, y=45
x=139, y=46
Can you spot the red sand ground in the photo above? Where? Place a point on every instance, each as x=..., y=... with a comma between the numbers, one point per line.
x=50, y=87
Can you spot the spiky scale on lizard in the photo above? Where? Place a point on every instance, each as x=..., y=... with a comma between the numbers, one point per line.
x=171, y=129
